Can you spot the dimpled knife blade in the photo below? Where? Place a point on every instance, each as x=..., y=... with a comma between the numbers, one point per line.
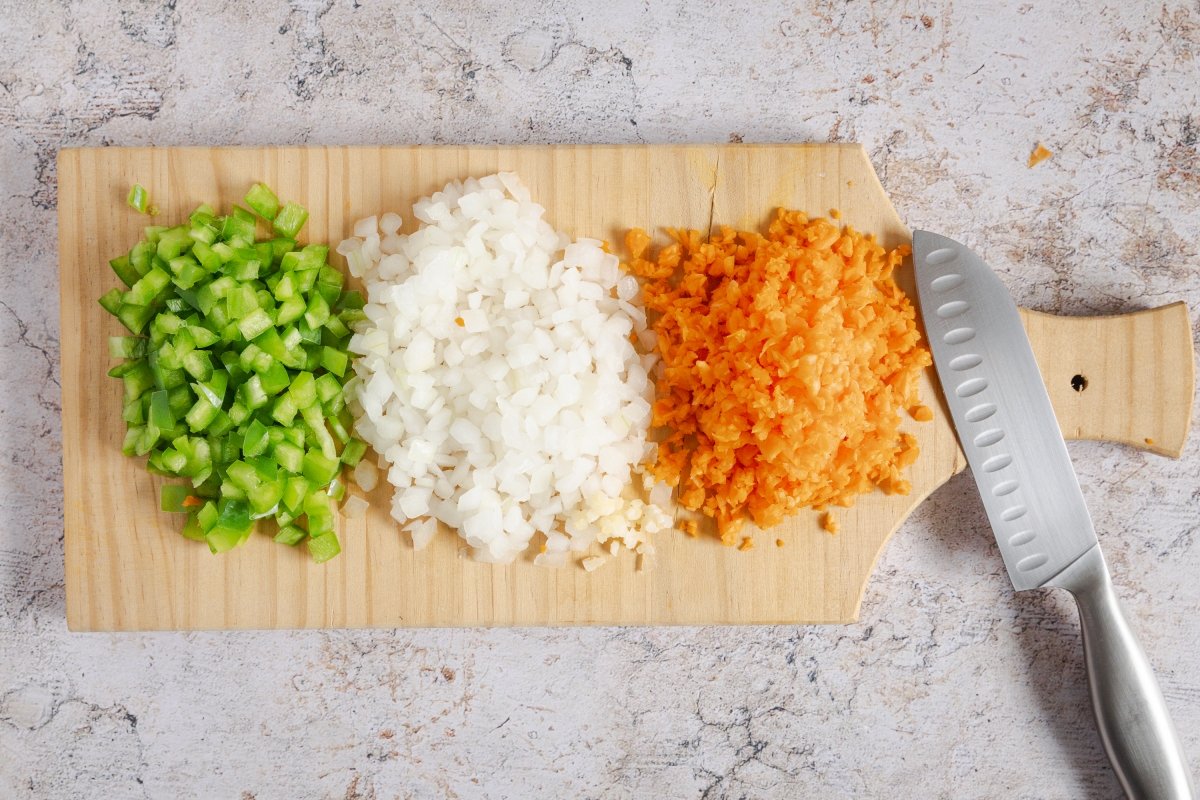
x=1001, y=412
x=1006, y=426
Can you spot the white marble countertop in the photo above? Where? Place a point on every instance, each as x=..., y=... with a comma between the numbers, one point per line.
x=951, y=686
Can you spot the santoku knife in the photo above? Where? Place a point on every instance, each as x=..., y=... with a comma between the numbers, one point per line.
x=1006, y=426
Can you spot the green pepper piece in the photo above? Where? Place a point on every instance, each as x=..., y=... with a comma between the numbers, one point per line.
x=294, y=492
x=252, y=393
x=138, y=199
x=319, y=468
x=147, y=288
x=126, y=347
x=198, y=364
x=124, y=270
x=290, y=535
x=201, y=415
x=275, y=379
x=138, y=380
x=289, y=456
x=280, y=246
x=254, y=323
x=290, y=220
x=335, y=361
x=173, y=496
x=264, y=498
x=290, y=310
x=239, y=226
x=192, y=529
x=160, y=411
x=255, y=440
x=303, y=390
x=172, y=242
x=315, y=419
x=110, y=301
x=353, y=452
x=323, y=547
x=263, y=201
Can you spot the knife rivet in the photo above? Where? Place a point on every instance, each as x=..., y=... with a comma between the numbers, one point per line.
x=1079, y=383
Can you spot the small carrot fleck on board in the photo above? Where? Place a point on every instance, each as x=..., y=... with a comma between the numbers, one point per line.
x=1039, y=154
x=747, y=544
x=1149, y=441
x=779, y=542
x=829, y=523
x=921, y=413
x=835, y=214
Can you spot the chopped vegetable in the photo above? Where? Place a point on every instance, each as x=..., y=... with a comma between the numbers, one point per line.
x=1039, y=154
x=497, y=378
x=235, y=372
x=139, y=200
x=786, y=361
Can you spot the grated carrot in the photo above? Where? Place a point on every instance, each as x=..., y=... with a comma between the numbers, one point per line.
x=921, y=413
x=779, y=542
x=786, y=361
x=747, y=544
x=829, y=523
x=689, y=527
x=1039, y=154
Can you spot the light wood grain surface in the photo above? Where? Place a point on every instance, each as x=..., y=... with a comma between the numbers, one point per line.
x=128, y=569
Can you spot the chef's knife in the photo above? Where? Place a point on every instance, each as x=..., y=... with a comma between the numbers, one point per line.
x=1006, y=426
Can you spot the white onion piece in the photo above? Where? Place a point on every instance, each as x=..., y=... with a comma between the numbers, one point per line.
x=354, y=507
x=496, y=376
x=365, y=475
x=422, y=532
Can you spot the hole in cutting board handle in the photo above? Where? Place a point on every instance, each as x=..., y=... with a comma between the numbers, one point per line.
x=1079, y=383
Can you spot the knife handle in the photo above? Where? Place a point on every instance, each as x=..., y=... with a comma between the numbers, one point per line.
x=1131, y=714
x=1128, y=378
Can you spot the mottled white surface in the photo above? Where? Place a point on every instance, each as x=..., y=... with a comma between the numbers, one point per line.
x=950, y=686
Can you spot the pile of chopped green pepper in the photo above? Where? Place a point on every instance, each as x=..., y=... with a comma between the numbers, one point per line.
x=235, y=372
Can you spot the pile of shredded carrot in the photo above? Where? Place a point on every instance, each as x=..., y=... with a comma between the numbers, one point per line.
x=787, y=359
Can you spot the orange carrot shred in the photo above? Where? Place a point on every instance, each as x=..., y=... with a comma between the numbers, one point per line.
x=191, y=501
x=787, y=359
x=1039, y=154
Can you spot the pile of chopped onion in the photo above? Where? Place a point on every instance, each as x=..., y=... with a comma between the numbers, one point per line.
x=498, y=379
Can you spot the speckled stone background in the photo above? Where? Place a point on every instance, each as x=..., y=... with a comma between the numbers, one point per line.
x=951, y=686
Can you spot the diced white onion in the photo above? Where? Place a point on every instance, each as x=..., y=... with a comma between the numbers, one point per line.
x=497, y=380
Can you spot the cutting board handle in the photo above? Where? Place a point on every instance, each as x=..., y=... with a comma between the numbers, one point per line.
x=1128, y=378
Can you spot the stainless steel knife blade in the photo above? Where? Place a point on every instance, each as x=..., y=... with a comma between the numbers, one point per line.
x=1006, y=426
x=1001, y=411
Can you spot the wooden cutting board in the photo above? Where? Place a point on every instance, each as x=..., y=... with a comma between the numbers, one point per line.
x=127, y=568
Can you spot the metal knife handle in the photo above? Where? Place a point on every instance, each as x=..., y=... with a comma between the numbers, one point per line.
x=1131, y=714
